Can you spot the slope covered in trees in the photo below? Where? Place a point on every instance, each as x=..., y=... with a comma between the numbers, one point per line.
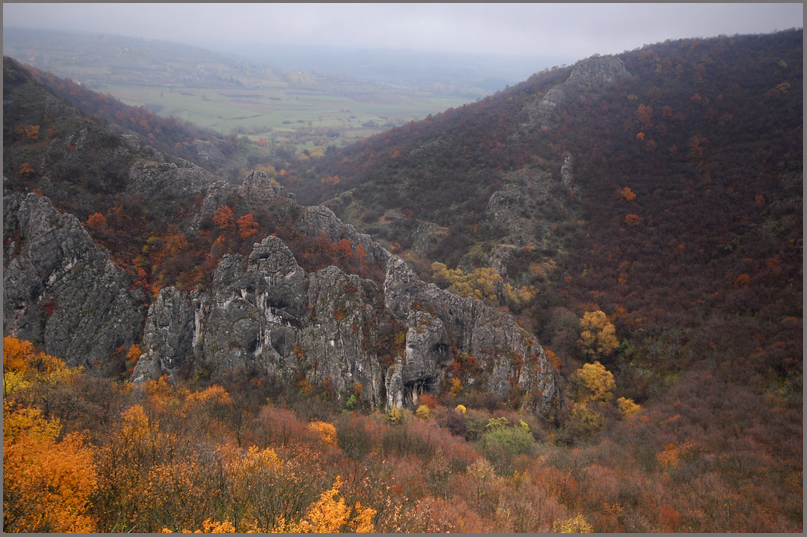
x=684, y=223
x=82, y=453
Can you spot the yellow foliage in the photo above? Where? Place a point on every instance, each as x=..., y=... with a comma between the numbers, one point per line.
x=46, y=484
x=30, y=364
x=13, y=381
x=598, y=336
x=326, y=432
x=483, y=284
x=330, y=515
x=628, y=408
x=587, y=419
x=460, y=409
x=480, y=284
x=209, y=526
x=577, y=524
x=456, y=387
x=597, y=382
x=423, y=412
x=28, y=421
x=521, y=296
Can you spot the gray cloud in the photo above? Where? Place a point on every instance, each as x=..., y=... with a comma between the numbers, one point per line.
x=570, y=30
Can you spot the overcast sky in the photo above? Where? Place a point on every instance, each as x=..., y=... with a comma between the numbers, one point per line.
x=568, y=30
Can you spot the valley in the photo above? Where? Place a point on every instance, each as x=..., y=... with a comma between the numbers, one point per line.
x=572, y=305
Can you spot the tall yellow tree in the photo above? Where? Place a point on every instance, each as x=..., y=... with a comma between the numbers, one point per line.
x=598, y=337
x=596, y=383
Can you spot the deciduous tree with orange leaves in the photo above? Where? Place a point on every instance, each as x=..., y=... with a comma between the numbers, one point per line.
x=224, y=217
x=247, y=226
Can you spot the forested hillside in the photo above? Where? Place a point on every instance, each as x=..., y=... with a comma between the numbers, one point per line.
x=677, y=213
x=612, y=341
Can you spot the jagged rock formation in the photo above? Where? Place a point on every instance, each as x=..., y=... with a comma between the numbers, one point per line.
x=422, y=367
x=267, y=312
x=597, y=72
x=509, y=355
x=60, y=290
x=149, y=179
x=591, y=74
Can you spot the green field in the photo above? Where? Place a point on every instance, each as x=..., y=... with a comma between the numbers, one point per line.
x=283, y=115
x=227, y=94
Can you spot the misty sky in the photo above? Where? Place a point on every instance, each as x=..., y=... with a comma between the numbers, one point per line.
x=567, y=30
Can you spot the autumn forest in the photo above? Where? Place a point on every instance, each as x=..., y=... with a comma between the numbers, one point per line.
x=657, y=260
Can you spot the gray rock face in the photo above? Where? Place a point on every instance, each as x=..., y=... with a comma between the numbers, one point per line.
x=427, y=236
x=320, y=220
x=516, y=206
x=528, y=206
x=567, y=171
x=597, y=72
x=168, y=336
x=422, y=368
x=266, y=312
x=148, y=179
x=209, y=153
x=508, y=355
x=591, y=74
x=62, y=291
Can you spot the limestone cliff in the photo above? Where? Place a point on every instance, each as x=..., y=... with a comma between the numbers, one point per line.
x=60, y=290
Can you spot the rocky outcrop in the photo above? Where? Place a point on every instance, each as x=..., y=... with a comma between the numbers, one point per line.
x=149, y=179
x=262, y=312
x=529, y=205
x=508, y=355
x=597, y=73
x=320, y=220
x=422, y=367
x=60, y=290
x=591, y=74
x=266, y=312
x=207, y=152
x=168, y=336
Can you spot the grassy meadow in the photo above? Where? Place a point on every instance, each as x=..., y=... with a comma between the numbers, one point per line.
x=225, y=93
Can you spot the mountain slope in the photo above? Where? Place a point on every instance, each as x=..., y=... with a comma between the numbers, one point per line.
x=225, y=299
x=661, y=178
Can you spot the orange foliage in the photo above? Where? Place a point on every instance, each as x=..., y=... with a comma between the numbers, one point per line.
x=32, y=132
x=97, y=220
x=47, y=484
x=224, y=217
x=627, y=194
x=329, y=515
x=632, y=220
x=247, y=226
x=25, y=169
x=742, y=281
x=644, y=114
x=344, y=249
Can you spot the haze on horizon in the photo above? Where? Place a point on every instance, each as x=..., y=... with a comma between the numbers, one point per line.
x=568, y=31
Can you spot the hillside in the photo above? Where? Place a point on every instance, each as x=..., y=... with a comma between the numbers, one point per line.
x=677, y=183
x=611, y=342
